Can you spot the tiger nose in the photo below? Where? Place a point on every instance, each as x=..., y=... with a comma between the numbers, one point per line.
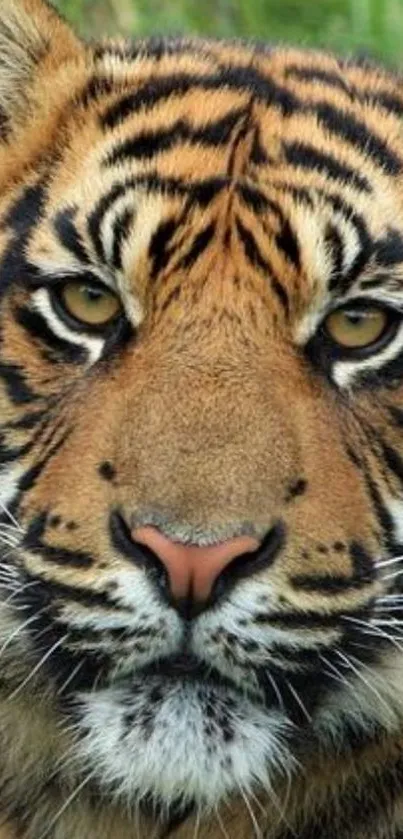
x=193, y=569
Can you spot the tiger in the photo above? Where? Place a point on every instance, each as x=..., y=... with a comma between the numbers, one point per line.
x=201, y=458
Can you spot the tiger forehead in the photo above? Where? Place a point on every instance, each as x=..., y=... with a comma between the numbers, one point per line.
x=195, y=140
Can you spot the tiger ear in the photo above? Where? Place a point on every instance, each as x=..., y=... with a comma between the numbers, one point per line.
x=34, y=43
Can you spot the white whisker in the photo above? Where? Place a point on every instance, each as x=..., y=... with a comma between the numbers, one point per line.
x=11, y=517
x=386, y=562
x=17, y=631
x=256, y=829
x=221, y=824
x=392, y=576
x=358, y=673
x=276, y=689
x=70, y=678
x=197, y=824
x=370, y=629
x=66, y=804
x=299, y=701
x=35, y=669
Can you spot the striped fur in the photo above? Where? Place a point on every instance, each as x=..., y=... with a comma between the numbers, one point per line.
x=231, y=195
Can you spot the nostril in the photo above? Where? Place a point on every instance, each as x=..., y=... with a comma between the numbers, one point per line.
x=142, y=556
x=193, y=568
x=248, y=564
x=191, y=577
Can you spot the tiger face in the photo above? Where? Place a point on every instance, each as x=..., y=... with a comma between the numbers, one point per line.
x=201, y=351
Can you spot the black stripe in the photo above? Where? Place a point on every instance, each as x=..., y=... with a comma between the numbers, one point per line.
x=335, y=120
x=258, y=153
x=177, y=815
x=306, y=619
x=21, y=218
x=49, y=591
x=68, y=234
x=325, y=583
x=340, y=205
x=148, y=143
x=396, y=414
x=57, y=555
x=366, y=244
x=5, y=126
x=354, y=131
x=383, y=99
x=35, y=325
x=8, y=454
x=363, y=574
x=28, y=421
x=199, y=245
x=305, y=156
x=287, y=242
x=255, y=257
x=334, y=244
x=240, y=79
x=174, y=294
x=392, y=459
x=199, y=192
x=159, y=249
x=28, y=480
x=317, y=74
x=389, y=374
x=375, y=97
x=18, y=390
x=121, y=227
x=382, y=513
x=252, y=196
x=389, y=250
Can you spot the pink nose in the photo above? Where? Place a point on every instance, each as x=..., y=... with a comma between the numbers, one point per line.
x=192, y=570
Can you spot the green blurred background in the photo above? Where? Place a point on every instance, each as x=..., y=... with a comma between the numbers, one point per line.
x=372, y=27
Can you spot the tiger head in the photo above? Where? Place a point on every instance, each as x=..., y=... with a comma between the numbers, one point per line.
x=201, y=359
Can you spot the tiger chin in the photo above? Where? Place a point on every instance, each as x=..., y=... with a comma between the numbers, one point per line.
x=201, y=457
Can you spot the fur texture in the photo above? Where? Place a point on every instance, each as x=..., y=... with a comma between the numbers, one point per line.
x=230, y=198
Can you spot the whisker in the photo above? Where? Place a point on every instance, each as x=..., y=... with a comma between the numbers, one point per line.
x=11, y=517
x=66, y=804
x=17, y=631
x=336, y=674
x=37, y=667
x=70, y=678
x=386, y=562
x=358, y=673
x=18, y=591
x=298, y=700
x=276, y=689
x=370, y=629
x=392, y=576
x=388, y=621
x=197, y=824
x=256, y=829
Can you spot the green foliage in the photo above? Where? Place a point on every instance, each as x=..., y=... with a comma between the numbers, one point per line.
x=369, y=26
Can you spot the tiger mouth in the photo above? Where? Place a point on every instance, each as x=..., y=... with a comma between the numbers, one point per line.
x=185, y=667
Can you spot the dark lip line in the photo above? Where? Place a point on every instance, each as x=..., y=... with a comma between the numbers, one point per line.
x=186, y=665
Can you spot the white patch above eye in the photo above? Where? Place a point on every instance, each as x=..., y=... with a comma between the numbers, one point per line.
x=93, y=344
x=344, y=372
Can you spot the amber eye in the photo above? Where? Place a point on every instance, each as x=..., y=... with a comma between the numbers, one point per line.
x=357, y=327
x=89, y=304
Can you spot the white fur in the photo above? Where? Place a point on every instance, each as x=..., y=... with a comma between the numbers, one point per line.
x=93, y=345
x=173, y=757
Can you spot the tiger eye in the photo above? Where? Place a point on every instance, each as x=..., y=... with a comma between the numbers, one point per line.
x=355, y=328
x=90, y=304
